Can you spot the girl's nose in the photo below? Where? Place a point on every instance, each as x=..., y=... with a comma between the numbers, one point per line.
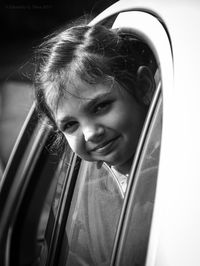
x=93, y=133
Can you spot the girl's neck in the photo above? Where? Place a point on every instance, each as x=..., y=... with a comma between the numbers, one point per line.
x=124, y=169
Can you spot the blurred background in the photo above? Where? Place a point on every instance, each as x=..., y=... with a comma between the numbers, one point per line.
x=24, y=24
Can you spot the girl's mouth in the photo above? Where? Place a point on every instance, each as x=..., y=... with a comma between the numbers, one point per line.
x=106, y=147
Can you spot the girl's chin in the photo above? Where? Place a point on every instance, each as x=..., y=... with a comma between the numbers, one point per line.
x=114, y=159
x=122, y=166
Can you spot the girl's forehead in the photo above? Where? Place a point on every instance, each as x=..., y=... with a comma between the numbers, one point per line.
x=82, y=90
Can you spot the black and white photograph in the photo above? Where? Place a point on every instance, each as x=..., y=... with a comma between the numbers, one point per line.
x=99, y=133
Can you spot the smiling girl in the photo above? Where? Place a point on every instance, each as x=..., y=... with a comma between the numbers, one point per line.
x=95, y=85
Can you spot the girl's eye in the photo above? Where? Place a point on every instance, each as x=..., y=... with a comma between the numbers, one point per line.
x=102, y=106
x=70, y=127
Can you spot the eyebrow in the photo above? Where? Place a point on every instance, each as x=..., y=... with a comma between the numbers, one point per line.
x=95, y=100
x=86, y=106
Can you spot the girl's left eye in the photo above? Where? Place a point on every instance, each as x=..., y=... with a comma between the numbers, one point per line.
x=102, y=106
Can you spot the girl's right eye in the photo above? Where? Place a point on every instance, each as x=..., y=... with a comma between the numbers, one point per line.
x=70, y=127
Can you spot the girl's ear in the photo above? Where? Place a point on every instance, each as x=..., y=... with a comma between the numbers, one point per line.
x=146, y=84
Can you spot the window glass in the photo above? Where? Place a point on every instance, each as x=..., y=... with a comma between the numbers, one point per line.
x=93, y=216
x=141, y=202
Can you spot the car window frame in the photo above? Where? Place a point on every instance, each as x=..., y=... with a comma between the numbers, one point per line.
x=17, y=175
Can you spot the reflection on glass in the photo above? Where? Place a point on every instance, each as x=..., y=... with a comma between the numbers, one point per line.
x=93, y=216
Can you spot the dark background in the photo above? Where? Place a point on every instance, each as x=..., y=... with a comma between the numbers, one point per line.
x=25, y=23
x=23, y=26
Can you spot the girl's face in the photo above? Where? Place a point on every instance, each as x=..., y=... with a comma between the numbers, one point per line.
x=101, y=123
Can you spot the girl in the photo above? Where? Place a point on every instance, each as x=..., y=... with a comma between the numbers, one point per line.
x=95, y=86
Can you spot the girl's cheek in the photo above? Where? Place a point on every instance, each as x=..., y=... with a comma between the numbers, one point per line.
x=116, y=118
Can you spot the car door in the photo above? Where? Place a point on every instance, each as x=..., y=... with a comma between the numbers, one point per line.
x=42, y=192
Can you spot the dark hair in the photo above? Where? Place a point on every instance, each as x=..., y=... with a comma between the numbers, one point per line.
x=94, y=54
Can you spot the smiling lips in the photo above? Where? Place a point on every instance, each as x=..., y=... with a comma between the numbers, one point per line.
x=105, y=147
